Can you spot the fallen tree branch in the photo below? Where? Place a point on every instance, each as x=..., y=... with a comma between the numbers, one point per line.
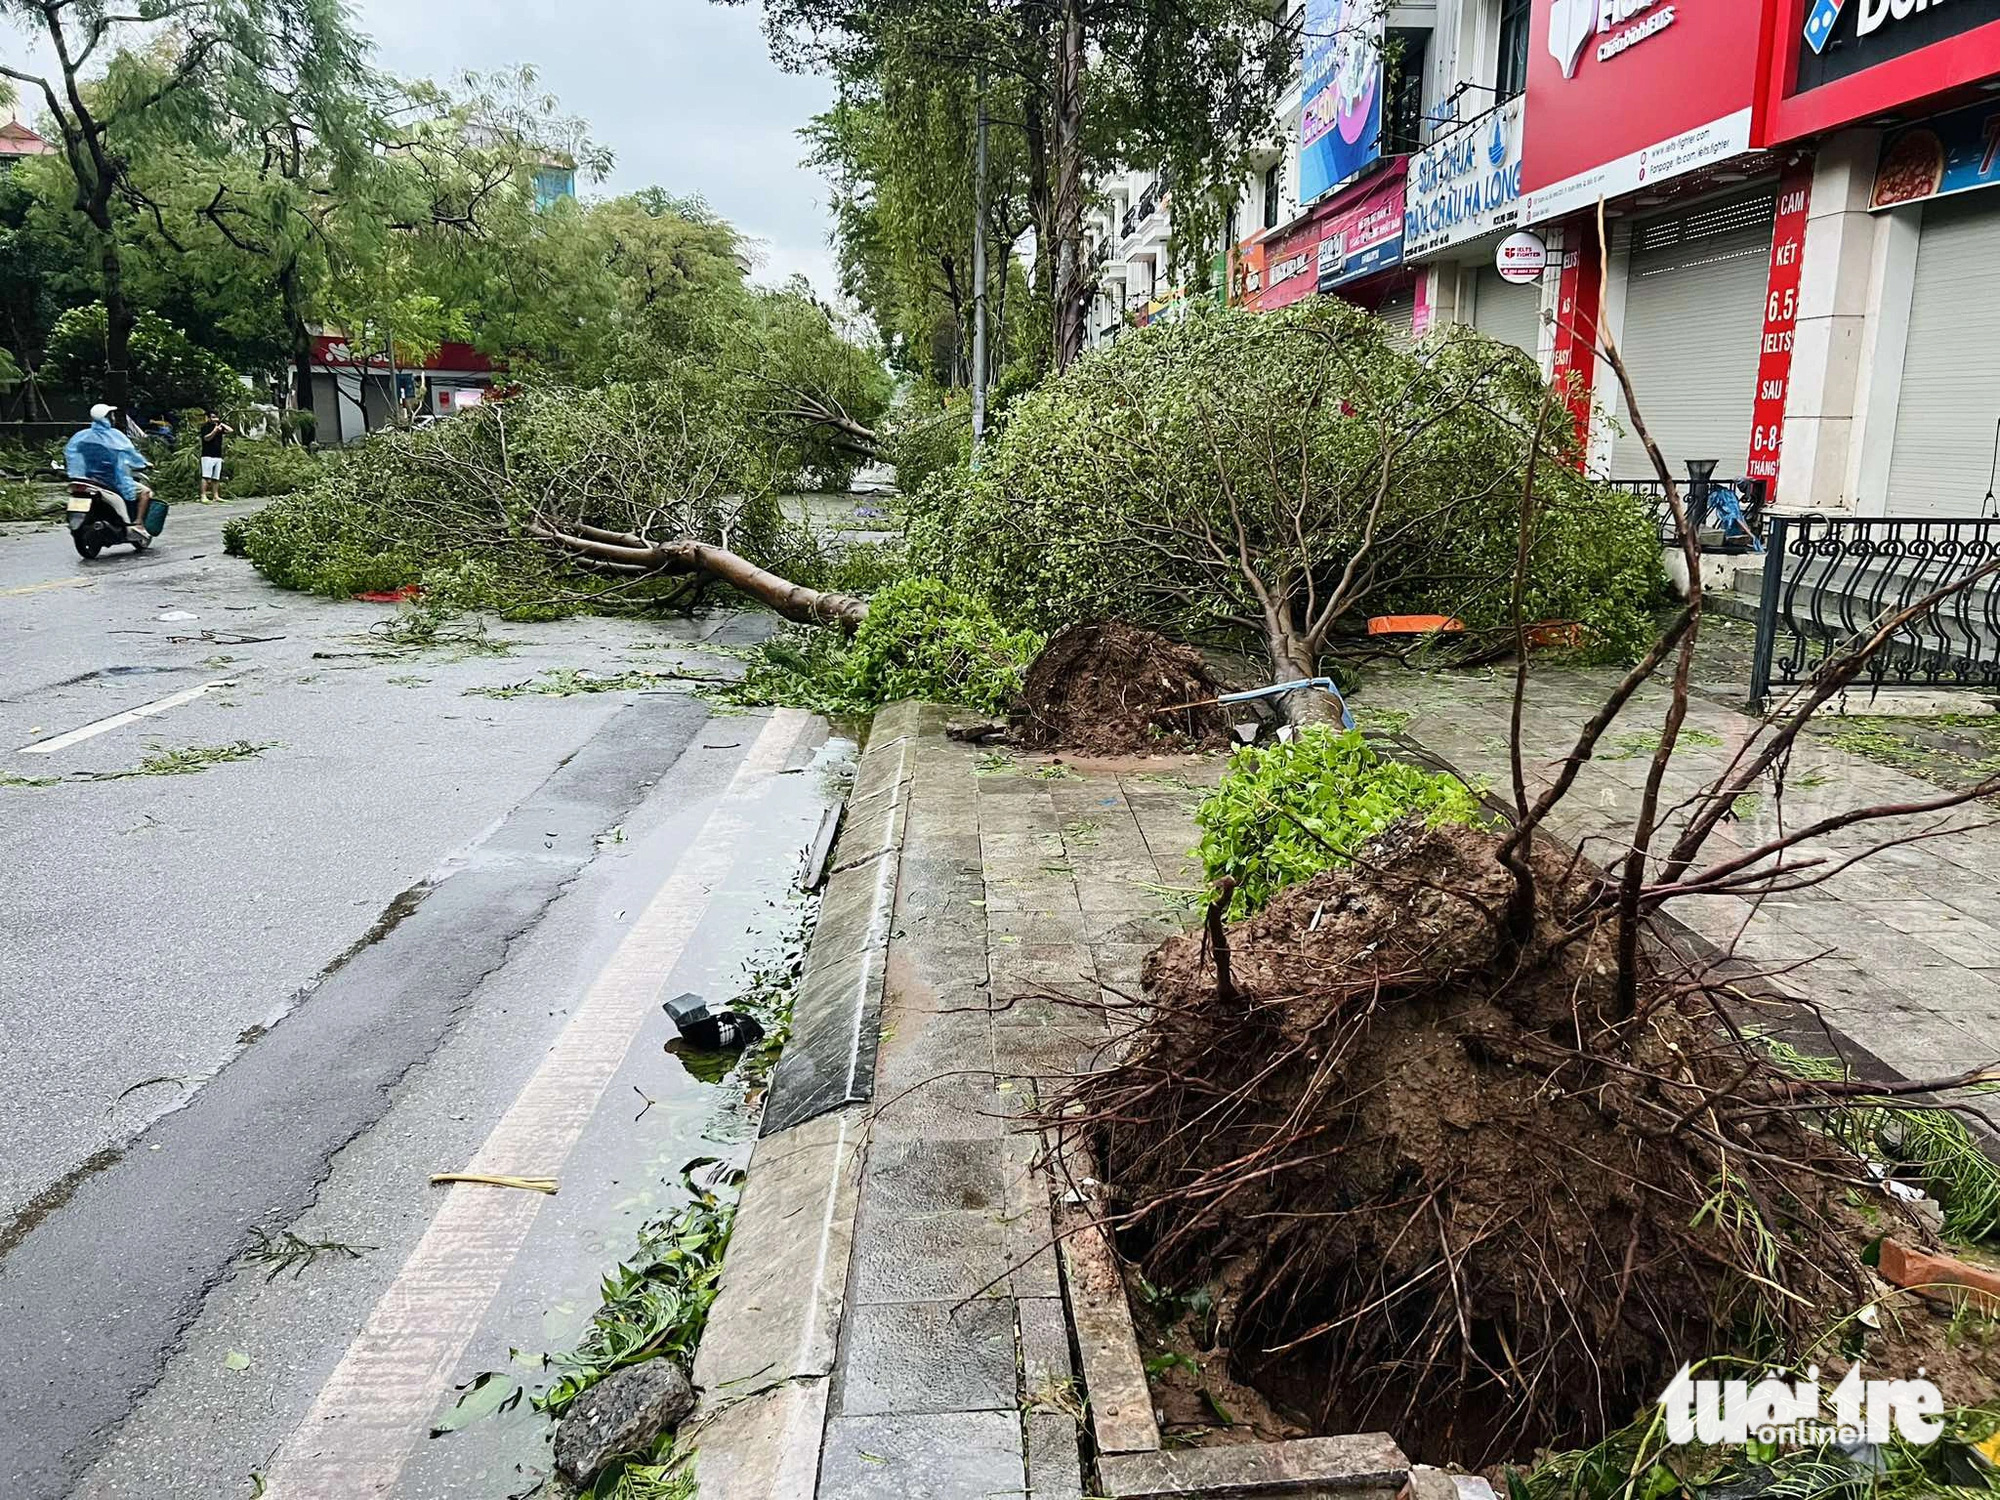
x=627, y=552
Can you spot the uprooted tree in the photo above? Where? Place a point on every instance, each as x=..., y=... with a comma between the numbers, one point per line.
x=1466, y=1143
x=1277, y=476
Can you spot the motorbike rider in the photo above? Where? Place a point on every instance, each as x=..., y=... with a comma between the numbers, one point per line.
x=104, y=456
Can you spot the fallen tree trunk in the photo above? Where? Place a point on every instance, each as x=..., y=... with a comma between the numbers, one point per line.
x=634, y=554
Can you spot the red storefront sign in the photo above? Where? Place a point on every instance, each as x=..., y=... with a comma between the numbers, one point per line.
x=1577, y=296
x=1352, y=235
x=1291, y=263
x=1900, y=60
x=1781, y=316
x=329, y=352
x=1626, y=93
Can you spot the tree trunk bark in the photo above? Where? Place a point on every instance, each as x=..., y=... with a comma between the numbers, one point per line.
x=637, y=555
x=119, y=321
x=292, y=301
x=1069, y=281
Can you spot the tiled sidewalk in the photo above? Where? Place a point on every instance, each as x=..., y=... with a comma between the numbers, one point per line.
x=954, y=1374
x=1911, y=937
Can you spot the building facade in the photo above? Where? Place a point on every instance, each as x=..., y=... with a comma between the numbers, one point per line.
x=1793, y=249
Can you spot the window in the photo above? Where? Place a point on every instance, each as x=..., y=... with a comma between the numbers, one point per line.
x=1274, y=188
x=1512, y=77
x=1403, y=96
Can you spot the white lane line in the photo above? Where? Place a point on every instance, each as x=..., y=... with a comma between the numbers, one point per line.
x=389, y=1384
x=119, y=721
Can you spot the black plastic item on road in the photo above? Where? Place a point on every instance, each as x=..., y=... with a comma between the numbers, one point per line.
x=712, y=1031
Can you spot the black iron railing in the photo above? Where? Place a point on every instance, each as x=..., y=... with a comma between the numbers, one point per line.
x=1708, y=503
x=1127, y=224
x=1827, y=582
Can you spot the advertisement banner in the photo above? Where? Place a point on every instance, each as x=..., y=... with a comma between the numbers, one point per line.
x=1340, y=124
x=1623, y=94
x=1781, y=316
x=1466, y=184
x=1954, y=153
x=1577, y=294
x=1841, y=38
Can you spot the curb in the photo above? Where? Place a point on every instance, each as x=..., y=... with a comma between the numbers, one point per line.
x=766, y=1357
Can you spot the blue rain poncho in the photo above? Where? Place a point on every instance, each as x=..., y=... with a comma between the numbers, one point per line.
x=104, y=455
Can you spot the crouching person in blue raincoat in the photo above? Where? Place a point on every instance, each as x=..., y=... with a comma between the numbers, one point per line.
x=104, y=456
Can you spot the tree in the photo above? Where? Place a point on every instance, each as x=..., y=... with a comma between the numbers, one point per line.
x=179, y=66
x=169, y=371
x=1279, y=475
x=1184, y=84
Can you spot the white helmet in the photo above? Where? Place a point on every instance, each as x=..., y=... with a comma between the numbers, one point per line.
x=101, y=410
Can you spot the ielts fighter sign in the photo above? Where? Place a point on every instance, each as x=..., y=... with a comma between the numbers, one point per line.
x=1625, y=93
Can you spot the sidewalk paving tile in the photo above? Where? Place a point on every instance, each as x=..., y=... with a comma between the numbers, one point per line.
x=929, y=1357
x=955, y=1456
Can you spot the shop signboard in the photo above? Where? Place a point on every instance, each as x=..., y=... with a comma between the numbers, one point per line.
x=1364, y=233
x=1839, y=62
x=1624, y=94
x=1781, y=316
x=1953, y=153
x=1467, y=183
x=1352, y=235
x=1340, y=122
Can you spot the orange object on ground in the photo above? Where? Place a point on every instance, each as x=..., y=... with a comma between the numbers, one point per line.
x=1412, y=624
x=402, y=595
x=1555, y=633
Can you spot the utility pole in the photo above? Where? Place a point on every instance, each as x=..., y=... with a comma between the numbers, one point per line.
x=979, y=273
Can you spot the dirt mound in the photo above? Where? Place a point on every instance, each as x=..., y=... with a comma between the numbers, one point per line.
x=1438, y=1184
x=1104, y=687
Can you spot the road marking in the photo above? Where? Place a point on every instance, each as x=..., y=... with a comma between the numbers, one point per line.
x=53, y=583
x=130, y=716
x=356, y=1437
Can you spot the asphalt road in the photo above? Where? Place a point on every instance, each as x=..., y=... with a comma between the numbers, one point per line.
x=280, y=990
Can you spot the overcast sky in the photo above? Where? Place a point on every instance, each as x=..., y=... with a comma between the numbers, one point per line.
x=684, y=91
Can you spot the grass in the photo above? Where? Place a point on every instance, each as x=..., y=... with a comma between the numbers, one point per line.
x=995, y=763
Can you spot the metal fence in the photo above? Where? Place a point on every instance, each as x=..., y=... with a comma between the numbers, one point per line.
x=1702, y=499
x=1828, y=581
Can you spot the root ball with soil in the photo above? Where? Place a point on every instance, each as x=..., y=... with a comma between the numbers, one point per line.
x=1441, y=1184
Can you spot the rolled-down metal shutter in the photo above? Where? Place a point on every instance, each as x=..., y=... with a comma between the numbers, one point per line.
x=1947, y=416
x=1694, y=318
x=1399, y=311
x=1507, y=312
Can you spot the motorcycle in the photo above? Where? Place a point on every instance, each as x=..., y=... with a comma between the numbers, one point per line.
x=99, y=518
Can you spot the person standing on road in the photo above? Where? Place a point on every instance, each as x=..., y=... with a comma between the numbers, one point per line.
x=213, y=430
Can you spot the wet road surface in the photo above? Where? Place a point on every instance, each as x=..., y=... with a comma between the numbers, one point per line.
x=283, y=990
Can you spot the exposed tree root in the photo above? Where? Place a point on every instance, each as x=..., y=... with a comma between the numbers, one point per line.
x=1450, y=1186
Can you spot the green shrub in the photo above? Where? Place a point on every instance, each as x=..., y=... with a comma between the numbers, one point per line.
x=1284, y=813
x=20, y=500
x=922, y=639
x=252, y=468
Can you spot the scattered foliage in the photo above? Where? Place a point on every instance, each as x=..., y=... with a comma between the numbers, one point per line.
x=921, y=639
x=655, y=1304
x=1285, y=812
x=285, y=1251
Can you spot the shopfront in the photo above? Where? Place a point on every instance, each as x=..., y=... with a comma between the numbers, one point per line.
x=1464, y=197
x=1350, y=245
x=1900, y=101
x=1652, y=108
